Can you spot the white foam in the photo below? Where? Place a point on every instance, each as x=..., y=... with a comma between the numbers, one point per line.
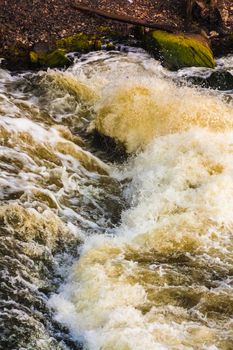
x=180, y=194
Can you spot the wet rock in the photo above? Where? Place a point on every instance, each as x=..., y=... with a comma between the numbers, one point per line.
x=56, y=58
x=54, y=55
x=180, y=50
x=80, y=42
x=219, y=80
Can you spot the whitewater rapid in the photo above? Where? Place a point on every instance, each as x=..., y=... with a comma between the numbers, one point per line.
x=135, y=255
x=163, y=280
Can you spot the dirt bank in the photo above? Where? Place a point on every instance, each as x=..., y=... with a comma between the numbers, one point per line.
x=23, y=23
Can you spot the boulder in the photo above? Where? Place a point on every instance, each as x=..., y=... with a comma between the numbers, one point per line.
x=47, y=55
x=220, y=80
x=179, y=50
x=56, y=58
x=80, y=42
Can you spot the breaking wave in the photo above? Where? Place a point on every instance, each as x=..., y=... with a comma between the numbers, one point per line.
x=109, y=256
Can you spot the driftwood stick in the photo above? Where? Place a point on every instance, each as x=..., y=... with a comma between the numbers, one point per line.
x=122, y=18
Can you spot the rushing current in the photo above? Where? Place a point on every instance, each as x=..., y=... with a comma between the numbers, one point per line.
x=122, y=241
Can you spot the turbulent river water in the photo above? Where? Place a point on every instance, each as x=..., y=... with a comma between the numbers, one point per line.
x=103, y=252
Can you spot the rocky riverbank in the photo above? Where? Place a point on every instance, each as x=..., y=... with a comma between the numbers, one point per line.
x=35, y=26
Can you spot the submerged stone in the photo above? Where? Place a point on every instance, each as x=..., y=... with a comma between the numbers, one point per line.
x=180, y=50
x=219, y=80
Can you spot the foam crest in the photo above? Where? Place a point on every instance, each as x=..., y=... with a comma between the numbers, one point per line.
x=54, y=193
x=65, y=82
x=136, y=111
x=46, y=143
x=141, y=288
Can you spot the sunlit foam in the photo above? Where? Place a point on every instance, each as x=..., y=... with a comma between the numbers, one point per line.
x=140, y=109
x=121, y=293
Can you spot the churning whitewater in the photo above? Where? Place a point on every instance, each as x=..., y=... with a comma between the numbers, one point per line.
x=154, y=265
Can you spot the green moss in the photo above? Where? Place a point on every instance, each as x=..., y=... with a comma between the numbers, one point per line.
x=45, y=56
x=180, y=50
x=80, y=42
x=33, y=57
x=110, y=46
x=55, y=58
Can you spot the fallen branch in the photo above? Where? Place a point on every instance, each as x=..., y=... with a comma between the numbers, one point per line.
x=123, y=18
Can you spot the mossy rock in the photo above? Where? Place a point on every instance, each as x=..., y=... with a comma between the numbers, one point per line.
x=56, y=58
x=44, y=55
x=47, y=55
x=180, y=50
x=80, y=42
